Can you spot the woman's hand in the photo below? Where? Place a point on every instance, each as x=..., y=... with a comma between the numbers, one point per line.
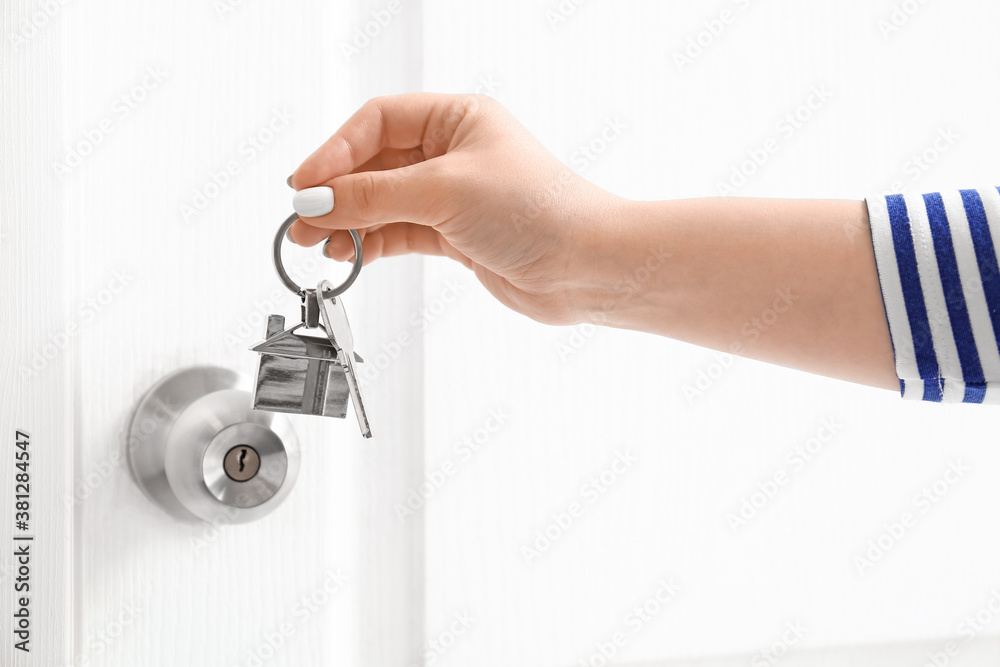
x=791, y=282
x=457, y=175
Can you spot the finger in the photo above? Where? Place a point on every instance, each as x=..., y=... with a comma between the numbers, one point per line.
x=428, y=120
x=400, y=238
x=415, y=194
x=303, y=234
x=340, y=246
x=392, y=158
x=408, y=238
x=396, y=239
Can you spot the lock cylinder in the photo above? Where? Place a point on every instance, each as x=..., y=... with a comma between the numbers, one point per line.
x=201, y=452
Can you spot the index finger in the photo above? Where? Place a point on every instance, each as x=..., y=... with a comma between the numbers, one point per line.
x=426, y=120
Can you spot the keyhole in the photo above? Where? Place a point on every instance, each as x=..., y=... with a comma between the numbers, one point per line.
x=241, y=462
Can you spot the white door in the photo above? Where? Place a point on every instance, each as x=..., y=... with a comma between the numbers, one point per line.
x=146, y=152
x=523, y=500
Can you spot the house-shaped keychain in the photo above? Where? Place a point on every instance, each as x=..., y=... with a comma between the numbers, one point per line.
x=304, y=374
x=299, y=373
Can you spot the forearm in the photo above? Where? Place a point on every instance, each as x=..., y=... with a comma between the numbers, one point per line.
x=791, y=282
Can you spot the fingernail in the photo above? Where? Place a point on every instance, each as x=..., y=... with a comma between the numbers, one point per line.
x=289, y=181
x=313, y=202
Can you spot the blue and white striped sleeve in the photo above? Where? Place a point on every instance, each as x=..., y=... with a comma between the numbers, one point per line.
x=936, y=256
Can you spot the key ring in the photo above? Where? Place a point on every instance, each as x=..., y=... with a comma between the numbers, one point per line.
x=290, y=284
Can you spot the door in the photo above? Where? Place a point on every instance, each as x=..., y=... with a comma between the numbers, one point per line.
x=524, y=500
x=143, y=189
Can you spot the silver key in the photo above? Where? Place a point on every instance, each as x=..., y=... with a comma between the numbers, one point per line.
x=339, y=329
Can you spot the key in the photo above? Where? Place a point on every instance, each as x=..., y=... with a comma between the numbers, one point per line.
x=339, y=330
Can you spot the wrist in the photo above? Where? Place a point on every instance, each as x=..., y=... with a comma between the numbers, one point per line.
x=625, y=256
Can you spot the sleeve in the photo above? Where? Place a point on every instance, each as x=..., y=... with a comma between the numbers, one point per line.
x=936, y=256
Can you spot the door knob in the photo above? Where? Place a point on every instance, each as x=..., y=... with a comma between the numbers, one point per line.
x=201, y=452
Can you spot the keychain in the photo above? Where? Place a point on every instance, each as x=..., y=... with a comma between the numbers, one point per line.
x=304, y=374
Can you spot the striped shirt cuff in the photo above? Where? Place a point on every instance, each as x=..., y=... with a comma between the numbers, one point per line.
x=936, y=256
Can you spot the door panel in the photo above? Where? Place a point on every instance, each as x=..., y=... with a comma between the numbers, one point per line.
x=211, y=107
x=36, y=340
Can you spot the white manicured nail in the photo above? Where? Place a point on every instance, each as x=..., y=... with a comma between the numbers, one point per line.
x=313, y=202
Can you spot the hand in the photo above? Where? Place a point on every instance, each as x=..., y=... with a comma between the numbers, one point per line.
x=457, y=175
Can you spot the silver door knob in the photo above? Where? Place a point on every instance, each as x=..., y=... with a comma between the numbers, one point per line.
x=201, y=452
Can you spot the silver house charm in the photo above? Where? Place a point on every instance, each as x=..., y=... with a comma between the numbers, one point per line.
x=308, y=374
x=298, y=373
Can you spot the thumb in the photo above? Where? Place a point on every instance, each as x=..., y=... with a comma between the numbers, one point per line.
x=414, y=193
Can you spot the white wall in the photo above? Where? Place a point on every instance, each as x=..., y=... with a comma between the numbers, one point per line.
x=569, y=413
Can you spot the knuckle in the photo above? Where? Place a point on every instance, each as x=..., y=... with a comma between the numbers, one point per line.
x=363, y=193
x=482, y=100
x=469, y=105
x=374, y=106
x=483, y=105
x=373, y=102
x=456, y=108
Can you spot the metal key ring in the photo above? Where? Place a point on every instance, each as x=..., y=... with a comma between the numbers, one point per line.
x=286, y=279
